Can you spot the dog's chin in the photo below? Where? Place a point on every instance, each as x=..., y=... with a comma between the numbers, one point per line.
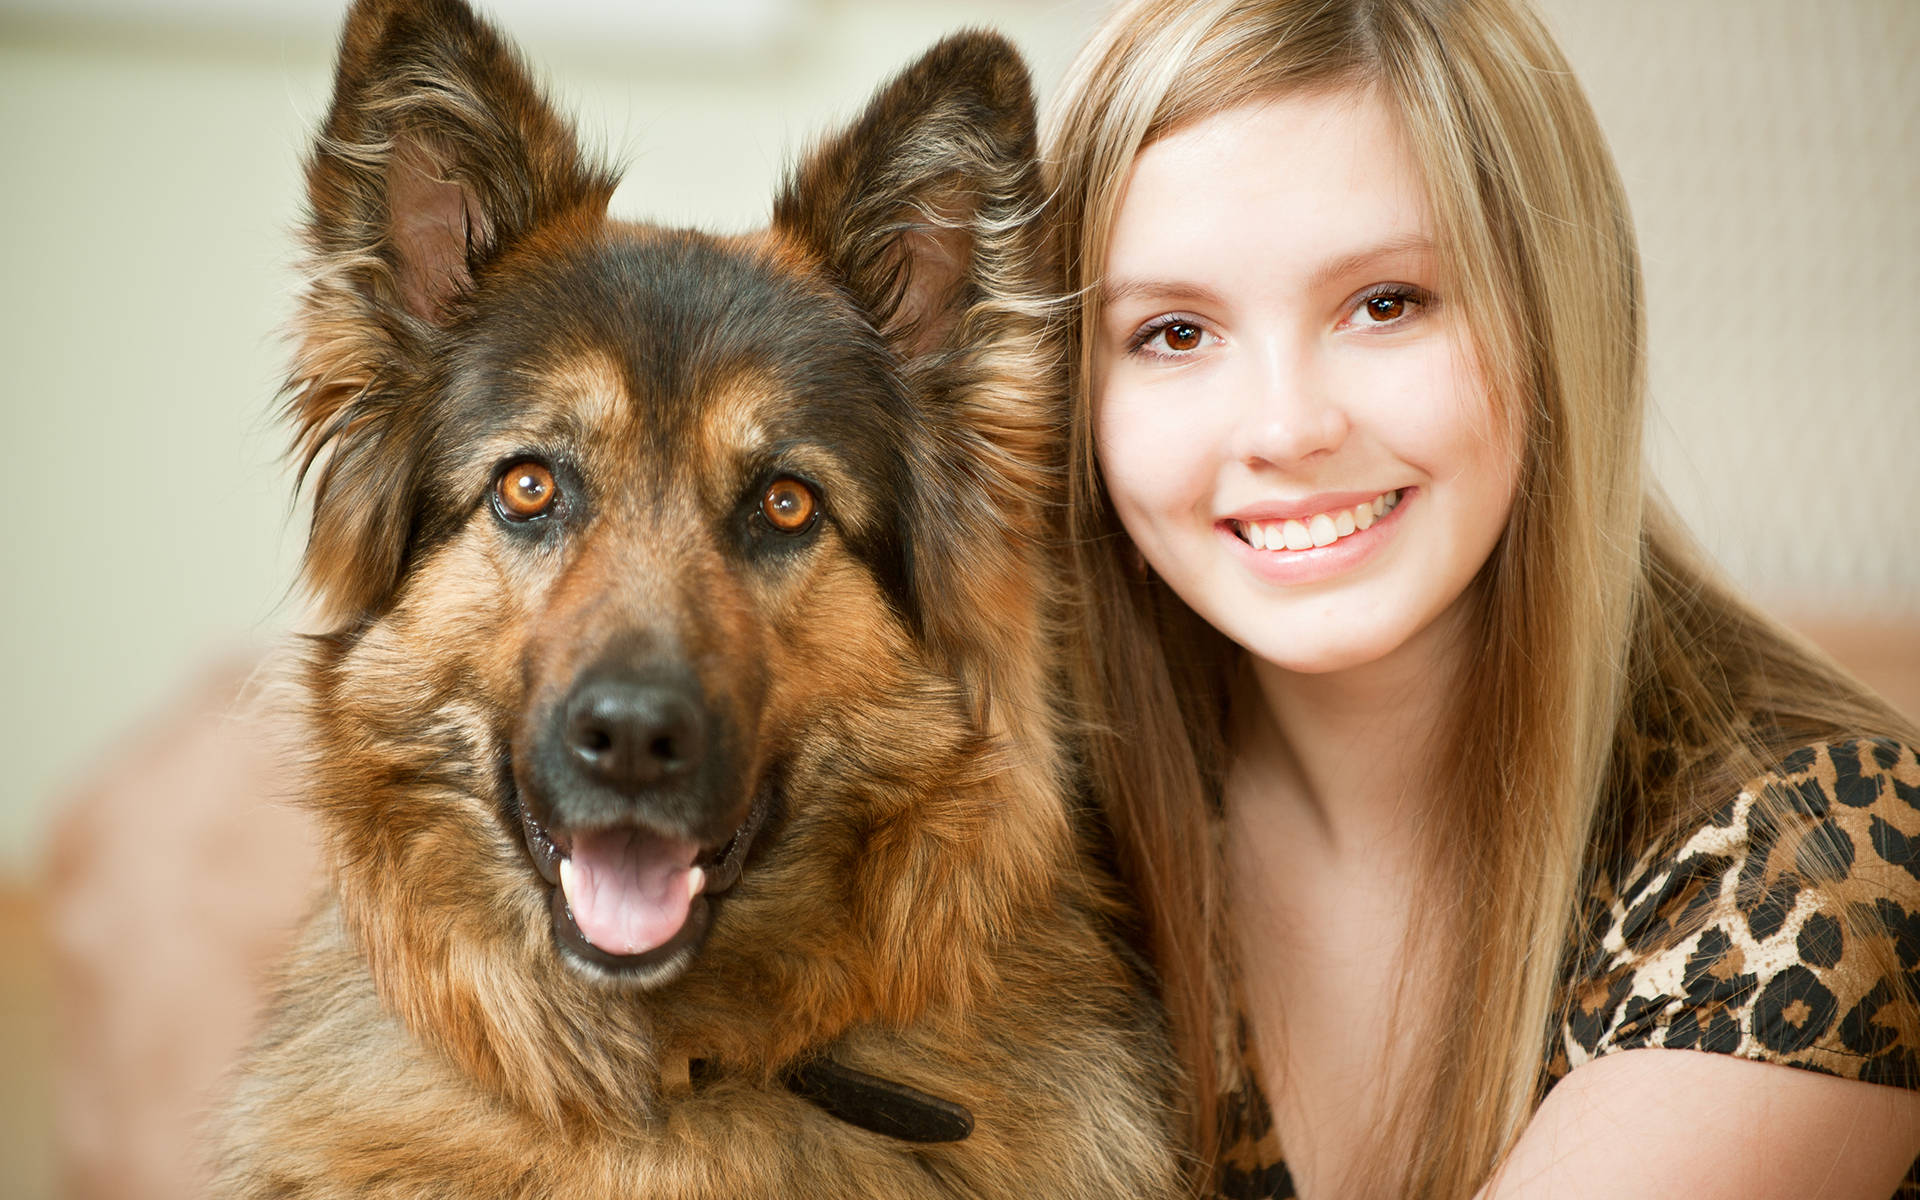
x=715, y=870
x=633, y=972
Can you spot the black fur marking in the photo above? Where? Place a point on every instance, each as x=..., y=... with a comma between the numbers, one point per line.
x=680, y=315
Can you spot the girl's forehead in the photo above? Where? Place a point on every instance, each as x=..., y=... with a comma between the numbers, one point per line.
x=1310, y=177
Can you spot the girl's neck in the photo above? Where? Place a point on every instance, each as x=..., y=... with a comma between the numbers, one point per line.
x=1347, y=754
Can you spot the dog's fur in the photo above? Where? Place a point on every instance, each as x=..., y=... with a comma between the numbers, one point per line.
x=875, y=690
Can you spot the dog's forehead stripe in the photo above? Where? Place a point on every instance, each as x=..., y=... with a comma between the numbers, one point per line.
x=575, y=395
x=592, y=385
x=734, y=423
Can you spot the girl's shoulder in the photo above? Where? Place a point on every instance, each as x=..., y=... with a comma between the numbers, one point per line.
x=1784, y=926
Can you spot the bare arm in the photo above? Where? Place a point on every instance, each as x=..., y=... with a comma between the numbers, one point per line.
x=1644, y=1123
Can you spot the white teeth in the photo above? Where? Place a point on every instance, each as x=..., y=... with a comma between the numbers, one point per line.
x=1321, y=529
x=566, y=879
x=696, y=882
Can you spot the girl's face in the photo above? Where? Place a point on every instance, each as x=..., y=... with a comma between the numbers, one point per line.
x=1288, y=414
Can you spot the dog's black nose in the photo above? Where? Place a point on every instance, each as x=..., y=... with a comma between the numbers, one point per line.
x=630, y=734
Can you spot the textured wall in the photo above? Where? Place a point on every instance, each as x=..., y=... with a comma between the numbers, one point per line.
x=1770, y=147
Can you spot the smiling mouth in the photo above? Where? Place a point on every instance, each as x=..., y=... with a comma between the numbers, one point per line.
x=630, y=899
x=1320, y=529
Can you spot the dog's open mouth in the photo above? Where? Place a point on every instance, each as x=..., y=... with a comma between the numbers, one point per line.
x=628, y=898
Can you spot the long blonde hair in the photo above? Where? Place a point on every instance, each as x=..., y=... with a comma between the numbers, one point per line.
x=1595, y=623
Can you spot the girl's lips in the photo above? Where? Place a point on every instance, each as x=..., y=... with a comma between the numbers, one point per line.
x=1300, y=510
x=1311, y=565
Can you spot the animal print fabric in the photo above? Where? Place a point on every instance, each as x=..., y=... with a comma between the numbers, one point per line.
x=1251, y=1165
x=1728, y=939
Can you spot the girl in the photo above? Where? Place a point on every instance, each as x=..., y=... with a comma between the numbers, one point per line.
x=1455, y=788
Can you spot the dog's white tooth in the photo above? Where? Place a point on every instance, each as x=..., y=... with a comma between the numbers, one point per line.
x=696, y=881
x=566, y=878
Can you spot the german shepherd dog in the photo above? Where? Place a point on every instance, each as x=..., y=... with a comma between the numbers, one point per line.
x=685, y=740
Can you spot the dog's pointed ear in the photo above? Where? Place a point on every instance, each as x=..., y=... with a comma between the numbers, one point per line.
x=926, y=212
x=919, y=206
x=438, y=152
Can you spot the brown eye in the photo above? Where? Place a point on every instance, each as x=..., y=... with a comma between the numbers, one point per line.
x=1182, y=336
x=788, y=506
x=1386, y=308
x=524, y=492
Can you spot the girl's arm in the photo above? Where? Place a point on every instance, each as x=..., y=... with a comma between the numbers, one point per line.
x=1643, y=1123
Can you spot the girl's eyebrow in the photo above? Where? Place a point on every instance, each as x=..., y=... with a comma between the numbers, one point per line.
x=1406, y=244
x=1114, y=291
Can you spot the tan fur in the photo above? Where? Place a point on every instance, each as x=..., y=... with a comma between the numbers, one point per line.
x=923, y=908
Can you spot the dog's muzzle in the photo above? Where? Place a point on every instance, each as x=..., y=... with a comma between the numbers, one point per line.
x=634, y=814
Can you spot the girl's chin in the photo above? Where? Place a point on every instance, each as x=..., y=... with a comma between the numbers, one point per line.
x=1324, y=656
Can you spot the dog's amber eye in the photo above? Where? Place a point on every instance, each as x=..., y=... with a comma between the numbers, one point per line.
x=525, y=491
x=788, y=505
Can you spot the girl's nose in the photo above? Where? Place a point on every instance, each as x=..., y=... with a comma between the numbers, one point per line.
x=1289, y=413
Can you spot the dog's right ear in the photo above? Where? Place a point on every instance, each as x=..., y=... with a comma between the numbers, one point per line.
x=438, y=153
x=925, y=212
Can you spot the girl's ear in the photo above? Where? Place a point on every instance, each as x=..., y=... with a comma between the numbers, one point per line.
x=437, y=153
x=926, y=212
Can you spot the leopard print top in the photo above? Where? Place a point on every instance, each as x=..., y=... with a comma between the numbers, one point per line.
x=1721, y=940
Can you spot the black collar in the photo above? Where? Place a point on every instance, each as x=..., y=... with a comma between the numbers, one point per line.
x=870, y=1102
x=877, y=1104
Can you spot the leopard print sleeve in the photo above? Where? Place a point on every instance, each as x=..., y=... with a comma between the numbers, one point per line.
x=1751, y=937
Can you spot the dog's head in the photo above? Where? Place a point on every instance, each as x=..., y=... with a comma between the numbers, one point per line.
x=686, y=670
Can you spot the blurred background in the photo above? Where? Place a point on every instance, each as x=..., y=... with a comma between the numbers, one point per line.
x=148, y=192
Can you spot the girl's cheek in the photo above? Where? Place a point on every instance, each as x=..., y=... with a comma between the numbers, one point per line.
x=1145, y=448
x=1427, y=403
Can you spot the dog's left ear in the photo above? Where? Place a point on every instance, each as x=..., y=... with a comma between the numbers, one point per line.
x=437, y=154
x=926, y=212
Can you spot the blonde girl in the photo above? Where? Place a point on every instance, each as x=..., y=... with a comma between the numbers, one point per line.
x=1462, y=801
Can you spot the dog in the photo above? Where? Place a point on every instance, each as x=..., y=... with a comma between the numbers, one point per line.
x=684, y=731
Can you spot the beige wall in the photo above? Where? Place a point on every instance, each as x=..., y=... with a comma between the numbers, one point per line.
x=1771, y=149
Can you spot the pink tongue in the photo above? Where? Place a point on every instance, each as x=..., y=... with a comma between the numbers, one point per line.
x=627, y=890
